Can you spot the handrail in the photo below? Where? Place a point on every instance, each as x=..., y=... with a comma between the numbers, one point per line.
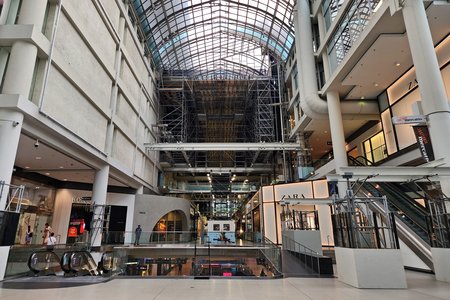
x=310, y=252
x=390, y=189
x=305, y=247
x=276, y=265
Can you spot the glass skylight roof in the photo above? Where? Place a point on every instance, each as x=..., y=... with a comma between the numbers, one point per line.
x=214, y=37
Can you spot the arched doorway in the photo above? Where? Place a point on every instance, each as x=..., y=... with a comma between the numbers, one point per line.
x=169, y=228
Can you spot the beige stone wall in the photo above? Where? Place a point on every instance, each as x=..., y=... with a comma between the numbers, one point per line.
x=100, y=86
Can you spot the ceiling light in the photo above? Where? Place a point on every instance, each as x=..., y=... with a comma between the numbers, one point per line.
x=362, y=97
x=27, y=167
x=65, y=179
x=47, y=173
x=397, y=64
x=375, y=84
x=61, y=167
x=38, y=157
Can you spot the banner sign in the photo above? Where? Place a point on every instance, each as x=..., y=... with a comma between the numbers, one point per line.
x=419, y=119
x=424, y=141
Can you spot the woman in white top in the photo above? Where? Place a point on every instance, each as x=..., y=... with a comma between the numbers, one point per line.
x=51, y=241
x=46, y=234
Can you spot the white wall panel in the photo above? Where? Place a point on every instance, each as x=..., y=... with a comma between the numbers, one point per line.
x=126, y=116
x=112, y=10
x=134, y=55
x=87, y=19
x=131, y=84
x=81, y=65
x=69, y=107
x=123, y=149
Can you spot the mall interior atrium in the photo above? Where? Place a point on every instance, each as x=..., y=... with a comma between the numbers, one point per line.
x=225, y=138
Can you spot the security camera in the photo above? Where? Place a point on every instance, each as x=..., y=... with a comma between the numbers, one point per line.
x=36, y=144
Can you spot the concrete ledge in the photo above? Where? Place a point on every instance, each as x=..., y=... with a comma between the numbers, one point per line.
x=371, y=268
x=441, y=262
x=4, y=254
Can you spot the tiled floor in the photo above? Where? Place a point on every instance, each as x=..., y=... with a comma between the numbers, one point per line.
x=421, y=286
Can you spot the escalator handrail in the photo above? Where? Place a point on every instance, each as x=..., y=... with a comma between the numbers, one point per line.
x=394, y=189
x=30, y=258
x=417, y=214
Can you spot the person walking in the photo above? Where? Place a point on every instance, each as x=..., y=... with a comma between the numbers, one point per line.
x=51, y=241
x=28, y=235
x=46, y=235
x=137, y=233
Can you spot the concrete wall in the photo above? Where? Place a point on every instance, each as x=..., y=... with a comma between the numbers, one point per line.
x=100, y=86
x=4, y=253
x=441, y=261
x=63, y=207
x=307, y=238
x=148, y=209
x=370, y=268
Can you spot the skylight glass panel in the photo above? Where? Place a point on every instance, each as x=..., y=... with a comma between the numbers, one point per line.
x=204, y=35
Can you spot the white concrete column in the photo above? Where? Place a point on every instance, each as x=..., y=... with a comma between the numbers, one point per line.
x=17, y=80
x=140, y=190
x=23, y=54
x=20, y=65
x=99, y=191
x=33, y=12
x=322, y=33
x=337, y=135
x=10, y=127
x=431, y=86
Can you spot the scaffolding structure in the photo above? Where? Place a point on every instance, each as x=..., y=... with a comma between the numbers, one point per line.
x=207, y=111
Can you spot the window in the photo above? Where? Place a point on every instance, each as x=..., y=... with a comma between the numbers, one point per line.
x=375, y=148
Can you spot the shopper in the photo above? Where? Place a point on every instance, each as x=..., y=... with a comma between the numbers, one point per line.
x=51, y=241
x=28, y=235
x=137, y=233
x=46, y=235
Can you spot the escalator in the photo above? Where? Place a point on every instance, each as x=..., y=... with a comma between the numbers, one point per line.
x=44, y=263
x=72, y=263
x=413, y=220
x=78, y=263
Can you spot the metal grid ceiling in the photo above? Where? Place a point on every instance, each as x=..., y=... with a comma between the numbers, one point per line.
x=217, y=38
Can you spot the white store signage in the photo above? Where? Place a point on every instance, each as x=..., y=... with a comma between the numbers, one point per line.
x=418, y=119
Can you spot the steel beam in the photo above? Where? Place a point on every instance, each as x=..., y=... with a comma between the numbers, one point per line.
x=217, y=170
x=390, y=174
x=223, y=146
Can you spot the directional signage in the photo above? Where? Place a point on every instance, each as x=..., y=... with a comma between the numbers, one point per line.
x=419, y=119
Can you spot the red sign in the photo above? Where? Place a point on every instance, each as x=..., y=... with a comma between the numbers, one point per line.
x=424, y=142
x=82, y=224
x=73, y=232
x=227, y=274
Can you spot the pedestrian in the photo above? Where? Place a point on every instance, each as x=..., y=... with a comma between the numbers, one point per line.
x=137, y=233
x=46, y=235
x=51, y=241
x=28, y=235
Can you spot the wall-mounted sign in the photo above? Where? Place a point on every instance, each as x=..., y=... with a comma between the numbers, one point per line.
x=84, y=200
x=424, y=141
x=419, y=119
x=73, y=232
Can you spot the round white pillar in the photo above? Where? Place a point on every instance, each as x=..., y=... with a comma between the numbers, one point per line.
x=17, y=80
x=21, y=65
x=337, y=136
x=99, y=192
x=431, y=85
x=33, y=12
x=10, y=127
